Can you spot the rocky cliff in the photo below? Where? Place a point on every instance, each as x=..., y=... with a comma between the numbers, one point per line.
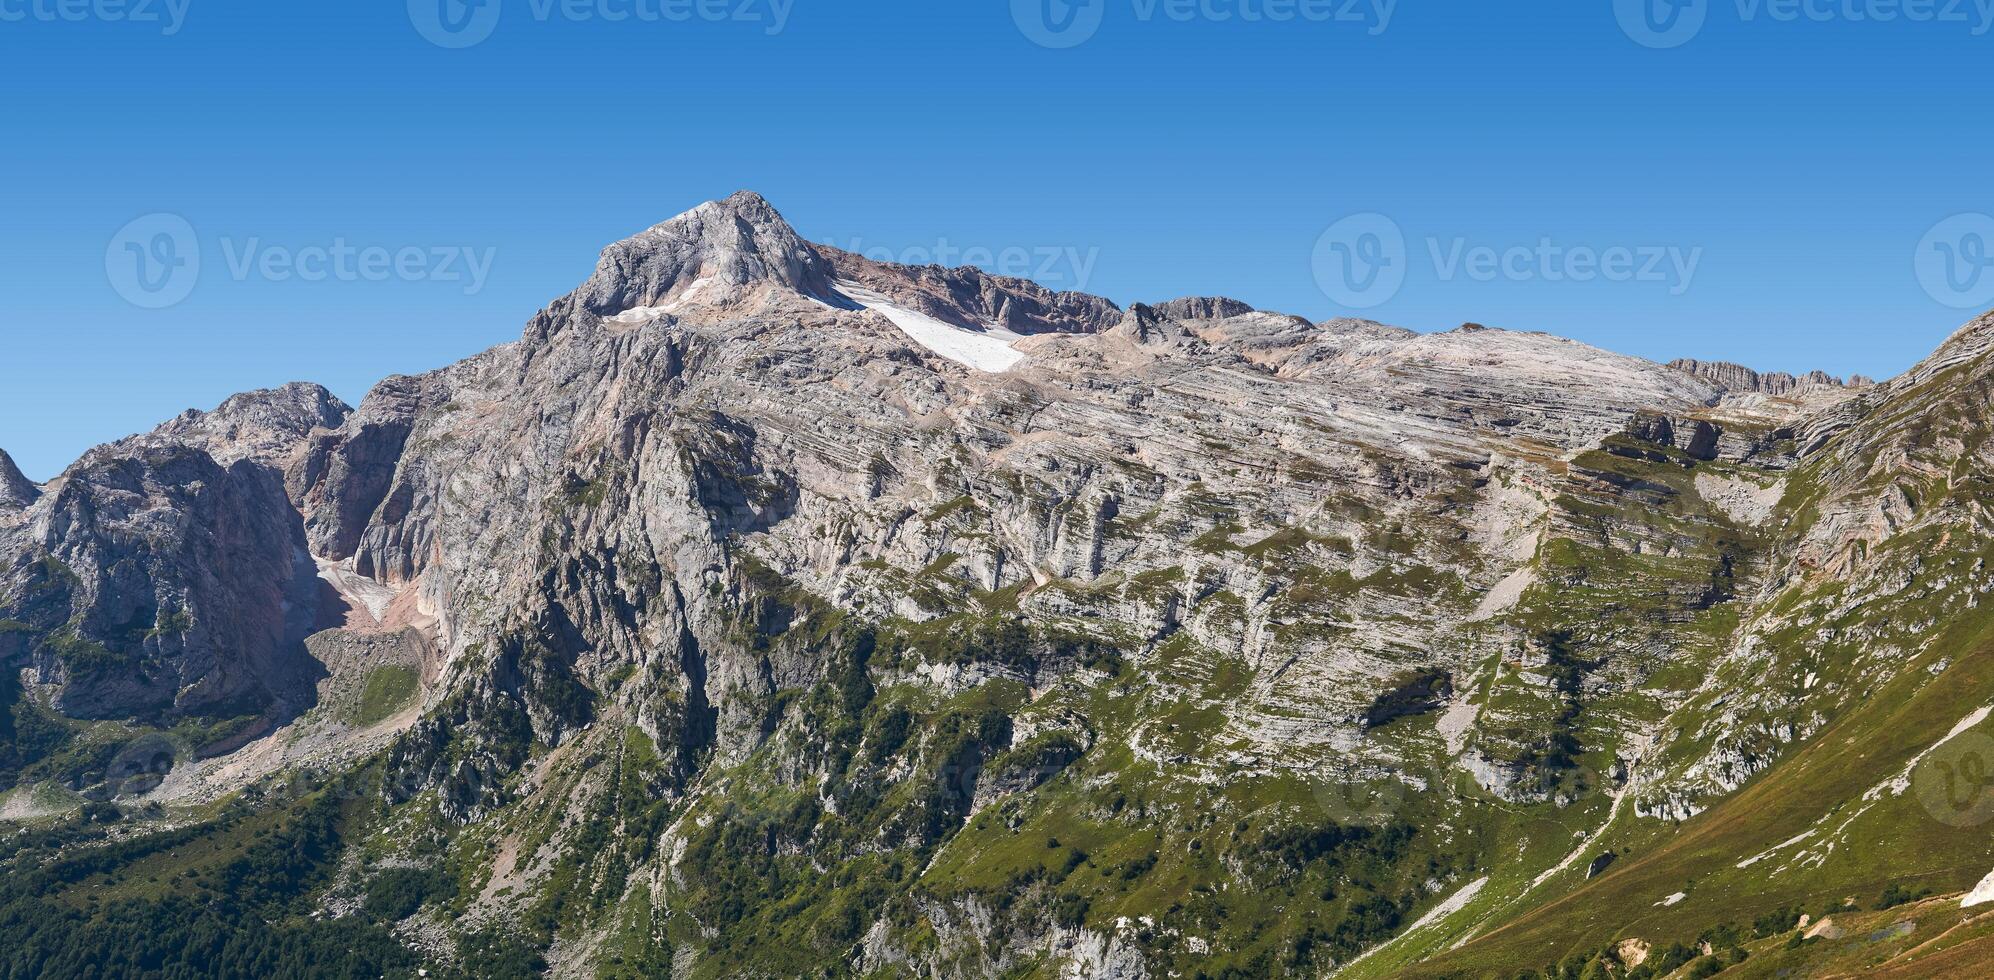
x=15, y=490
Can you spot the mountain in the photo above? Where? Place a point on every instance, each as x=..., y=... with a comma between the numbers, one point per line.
x=765, y=610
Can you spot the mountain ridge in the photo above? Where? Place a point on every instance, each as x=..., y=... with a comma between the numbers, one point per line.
x=733, y=619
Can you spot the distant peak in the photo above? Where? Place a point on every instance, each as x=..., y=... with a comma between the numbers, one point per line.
x=1739, y=379
x=1202, y=308
x=745, y=199
x=738, y=241
x=292, y=410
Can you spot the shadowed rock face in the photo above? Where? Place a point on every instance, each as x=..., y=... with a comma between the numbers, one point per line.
x=162, y=581
x=15, y=490
x=167, y=573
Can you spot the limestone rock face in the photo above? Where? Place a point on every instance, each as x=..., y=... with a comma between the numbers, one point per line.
x=973, y=299
x=15, y=490
x=156, y=579
x=264, y=426
x=722, y=245
x=1202, y=308
x=1738, y=379
x=168, y=572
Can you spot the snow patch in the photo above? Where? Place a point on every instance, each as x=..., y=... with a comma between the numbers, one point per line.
x=989, y=351
x=639, y=315
x=1897, y=784
x=1981, y=894
x=1454, y=903
x=1769, y=852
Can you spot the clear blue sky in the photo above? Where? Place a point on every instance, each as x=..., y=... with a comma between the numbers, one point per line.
x=1800, y=160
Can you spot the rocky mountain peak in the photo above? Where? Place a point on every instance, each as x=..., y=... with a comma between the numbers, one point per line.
x=15, y=489
x=739, y=241
x=296, y=409
x=265, y=425
x=1202, y=308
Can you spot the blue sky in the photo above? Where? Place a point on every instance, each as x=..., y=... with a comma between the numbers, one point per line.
x=1795, y=156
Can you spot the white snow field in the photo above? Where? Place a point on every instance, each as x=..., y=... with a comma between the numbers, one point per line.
x=988, y=351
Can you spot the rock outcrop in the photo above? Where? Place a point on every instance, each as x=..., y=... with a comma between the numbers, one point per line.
x=1738, y=379
x=16, y=491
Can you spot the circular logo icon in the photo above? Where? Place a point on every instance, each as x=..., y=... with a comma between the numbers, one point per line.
x=1058, y=23
x=454, y=23
x=1360, y=262
x=1955, y=261
x=1661, y=24
x=1956, y=781
x=154, y=262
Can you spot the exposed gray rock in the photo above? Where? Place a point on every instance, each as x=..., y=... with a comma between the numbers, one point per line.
x=973, y=299
x=265, y=426
x=16, y=491
x=1202, y=308
x=732, y=243
x=1738, y=379
x=159, y=580
x=168, y=572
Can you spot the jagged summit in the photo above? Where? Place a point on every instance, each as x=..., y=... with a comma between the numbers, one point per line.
x=1202, y=308
x=971, y=298
x=739, y=241
x=1738, y=379
x=294, y=409
x=16, y=490
x=263, y=424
